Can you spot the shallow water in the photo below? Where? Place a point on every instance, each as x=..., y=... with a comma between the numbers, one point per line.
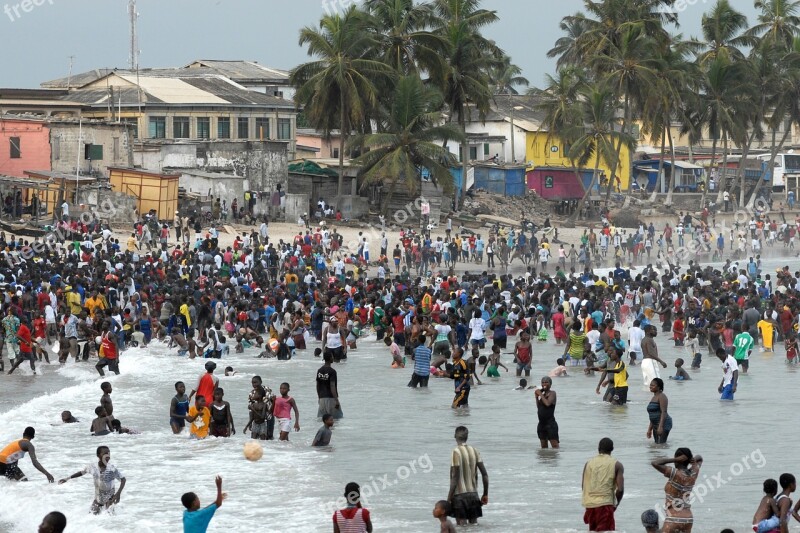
x=396, y=440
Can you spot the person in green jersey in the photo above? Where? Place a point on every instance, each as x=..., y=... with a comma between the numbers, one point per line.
x=742, y=346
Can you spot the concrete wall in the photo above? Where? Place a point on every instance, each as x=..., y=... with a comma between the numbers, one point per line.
x=34, y=144
x=110, y=206
x=225, y=188
x=67, y=141
x=263, y=163
x=296, y=205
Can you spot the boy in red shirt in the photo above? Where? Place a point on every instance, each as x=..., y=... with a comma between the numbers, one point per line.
x=25, y=348
x=40, y=334
x=678, y=329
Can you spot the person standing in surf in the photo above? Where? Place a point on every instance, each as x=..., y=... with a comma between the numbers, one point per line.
x=461, y=375
x=678, y=490
x=465, y=463
x=603, y=486
x=547, y=430
x=660, y=421
x=333, y=341
x=207, y=383
x=327, y=390
x=11, y=454
x=650, y=359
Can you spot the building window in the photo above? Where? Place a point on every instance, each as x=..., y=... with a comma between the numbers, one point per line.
x=116, y=148
x=223, y=128
x=56, y=148
x=180, y=127
x=473, y=153
x=284, y=129
x=203, y=128
x=262, y=128
x=93, y=152
x=158, y=128
x=16, y=153
x=134, y=126
x=335, y=153
x=243, y=128
x=486, y=149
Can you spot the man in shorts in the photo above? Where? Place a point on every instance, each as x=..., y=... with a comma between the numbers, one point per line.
x=465, y=462
x=603, y=486
x=327, y=391
x=11, y=454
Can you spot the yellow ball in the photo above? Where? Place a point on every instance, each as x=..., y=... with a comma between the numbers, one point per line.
x=253, y=451
x=274, y=345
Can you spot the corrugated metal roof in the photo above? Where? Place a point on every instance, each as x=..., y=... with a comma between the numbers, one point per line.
x=240, y=71
x=174, y=91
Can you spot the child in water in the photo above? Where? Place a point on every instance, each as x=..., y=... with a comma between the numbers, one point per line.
x=791, y=348
x=229, y=371
x=441, y=511
x=394, y=351
x=472, y=363
x=523, y=385
x=680, y=373
x=693, y=348
x=105, y=474
x=767, y=517
x=102, y=424
x=560, y=370
x=493, y=362
x=323, y=436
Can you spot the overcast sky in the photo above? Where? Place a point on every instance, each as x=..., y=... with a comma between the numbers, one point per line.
x=37, y=43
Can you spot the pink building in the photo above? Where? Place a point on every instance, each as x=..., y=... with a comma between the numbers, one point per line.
x=24, y=145
x=313, y=145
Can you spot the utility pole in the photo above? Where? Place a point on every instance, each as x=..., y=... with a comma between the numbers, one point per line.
x=133, y=59
x=69, y=75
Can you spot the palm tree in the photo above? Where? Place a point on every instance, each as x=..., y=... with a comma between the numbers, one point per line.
x=413, y=129
x=630, y=68
x=562, y=110
x=400, y=28
x=666, y=102
x=506, y=77
x=723, y=37
x=590, y=36
x=465, y=84
x=338, y=88
x=778, y=23
x=595, y=135
x=566, y=47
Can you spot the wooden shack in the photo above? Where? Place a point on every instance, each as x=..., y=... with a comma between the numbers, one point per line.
x=153, y=190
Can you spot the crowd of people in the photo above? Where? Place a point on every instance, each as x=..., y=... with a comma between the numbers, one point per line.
x=89, y=299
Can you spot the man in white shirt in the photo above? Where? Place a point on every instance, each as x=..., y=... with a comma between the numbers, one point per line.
x=65, y=209
x=730, y=375
x=635, y=337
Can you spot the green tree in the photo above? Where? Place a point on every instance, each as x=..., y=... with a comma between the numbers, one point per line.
x=413, y=127
x=595, y=135
x=723, y=34
x=338, y=88
x=466, y=82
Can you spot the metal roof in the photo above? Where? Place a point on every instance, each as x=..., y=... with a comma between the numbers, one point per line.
x=242, y=71
x=211, y=175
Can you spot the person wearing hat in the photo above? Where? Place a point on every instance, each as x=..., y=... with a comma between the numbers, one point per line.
x=207, y=383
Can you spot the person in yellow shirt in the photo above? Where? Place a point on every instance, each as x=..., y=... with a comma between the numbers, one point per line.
x=427, y=304
x=95, y=303
x=73, y=299
x=766, y=329
x=185, y=312
x=132, y=243
x=199, y=417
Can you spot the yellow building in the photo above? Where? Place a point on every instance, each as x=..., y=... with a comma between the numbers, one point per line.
x=541, y=150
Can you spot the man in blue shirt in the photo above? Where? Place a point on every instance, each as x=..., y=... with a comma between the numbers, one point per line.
x=196, y=520
x=422, y=365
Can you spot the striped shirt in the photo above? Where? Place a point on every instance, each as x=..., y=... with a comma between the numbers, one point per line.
x=466, y=458
x=422, y=361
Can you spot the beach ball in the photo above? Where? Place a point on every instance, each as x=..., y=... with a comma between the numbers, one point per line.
x=274, y=345
x=253, y=451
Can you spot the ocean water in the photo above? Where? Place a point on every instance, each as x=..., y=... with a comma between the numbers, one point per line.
x=394, y=441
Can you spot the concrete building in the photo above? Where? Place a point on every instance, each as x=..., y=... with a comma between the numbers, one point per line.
x=62, y=145
x=214, y=184
x=197, y=101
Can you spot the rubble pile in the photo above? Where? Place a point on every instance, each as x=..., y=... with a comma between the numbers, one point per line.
x=530, y=206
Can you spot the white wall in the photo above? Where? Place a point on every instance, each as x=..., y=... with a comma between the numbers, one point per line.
x=496, y=129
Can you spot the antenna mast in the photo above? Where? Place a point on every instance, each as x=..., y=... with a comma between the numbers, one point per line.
x=133, y=59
